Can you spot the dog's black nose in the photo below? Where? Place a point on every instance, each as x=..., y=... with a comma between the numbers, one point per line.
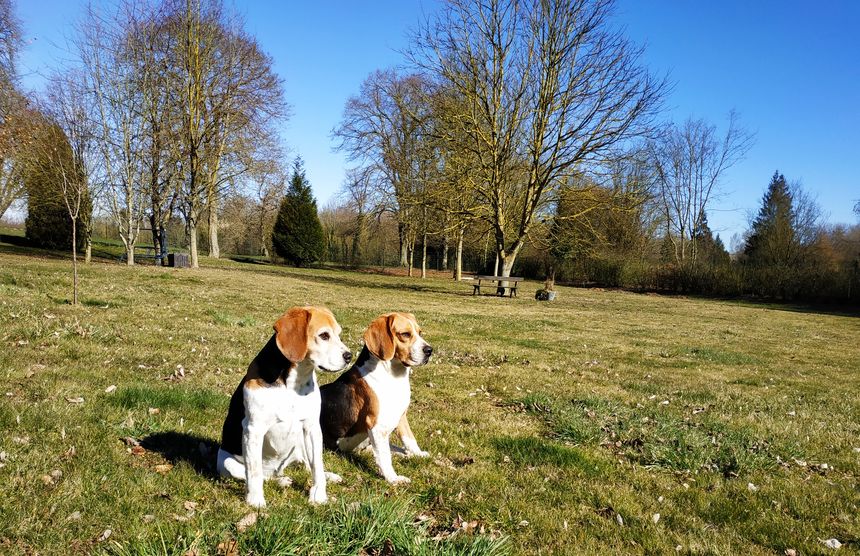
x=347, y=356
x=428, y=350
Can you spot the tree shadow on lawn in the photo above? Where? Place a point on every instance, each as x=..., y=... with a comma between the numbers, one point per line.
x=197, y=451
x=328, y=279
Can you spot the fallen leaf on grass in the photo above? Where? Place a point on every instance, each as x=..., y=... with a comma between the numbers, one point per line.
x=422, y=517
x=189, y=505
x=655, y=518
x=138, y=450
x=77, y=400
x=246, y=522
x=790, y=552
x=832, y=543
x=110, y=389
x=105, y=534
x=180, y=518
x=47, y=480
x=227, y=548
x=148, y=518
x=154, y=411
x=751, y=487
x=74, y=516
x=163, y=468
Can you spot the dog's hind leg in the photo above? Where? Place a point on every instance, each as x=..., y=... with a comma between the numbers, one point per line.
x=230, y=466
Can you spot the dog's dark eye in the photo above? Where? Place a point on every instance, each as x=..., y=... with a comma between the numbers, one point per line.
x=407, y=334
x=325, y=336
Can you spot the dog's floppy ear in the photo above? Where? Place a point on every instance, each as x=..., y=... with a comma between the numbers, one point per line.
x=379, y=338
x=291, y=333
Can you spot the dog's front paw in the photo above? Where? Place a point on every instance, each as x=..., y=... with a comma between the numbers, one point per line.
x=333, y=477
x=255, y=500
x=318, y=495
x=418, y=454
x=398, y=480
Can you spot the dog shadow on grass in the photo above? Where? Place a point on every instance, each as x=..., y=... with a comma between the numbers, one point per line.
x=197, y=451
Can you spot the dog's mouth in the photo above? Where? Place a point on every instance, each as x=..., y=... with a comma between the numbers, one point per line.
x=326, y=369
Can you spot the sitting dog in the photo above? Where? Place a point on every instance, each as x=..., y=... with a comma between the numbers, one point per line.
x=370, y=400
x=273, y=420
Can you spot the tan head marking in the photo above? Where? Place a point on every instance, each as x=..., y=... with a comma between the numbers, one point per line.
x=291, y=333
x=378, y=337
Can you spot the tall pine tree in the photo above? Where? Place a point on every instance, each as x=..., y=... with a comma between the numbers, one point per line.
x=773, y=239
x=774, y=252
x=298, y=234
x=709, y=250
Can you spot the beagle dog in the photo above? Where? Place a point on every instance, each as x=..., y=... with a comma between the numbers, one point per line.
x=273, y=420
x=368, y=402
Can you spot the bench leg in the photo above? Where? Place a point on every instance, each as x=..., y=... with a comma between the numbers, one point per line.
x=476, y=289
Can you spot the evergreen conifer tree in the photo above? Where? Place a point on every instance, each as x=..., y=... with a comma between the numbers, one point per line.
x=773, y=241
x=709, y=249
x=48, y=224
x=298, y=234
x=774, y=252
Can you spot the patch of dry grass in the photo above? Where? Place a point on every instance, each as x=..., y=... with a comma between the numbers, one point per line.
x=562, y=427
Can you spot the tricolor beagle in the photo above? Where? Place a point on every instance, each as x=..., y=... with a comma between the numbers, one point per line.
x=368, y=402
x=273, y=420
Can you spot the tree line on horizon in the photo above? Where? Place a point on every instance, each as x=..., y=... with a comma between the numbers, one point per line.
x=519, y=137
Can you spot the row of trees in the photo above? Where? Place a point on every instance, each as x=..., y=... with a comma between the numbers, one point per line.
x=509, y=103
x=523, y=133
x=167, y=108
x=530, y=127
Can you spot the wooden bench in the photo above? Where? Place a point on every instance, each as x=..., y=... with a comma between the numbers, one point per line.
x=145, y=253
x=513, y=282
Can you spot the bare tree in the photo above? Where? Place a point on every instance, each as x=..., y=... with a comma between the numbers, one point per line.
x=110, y=73
x=548, y=86
x=689, y=161
x=58, y=156
x=157, y=83
x=383, y=128
x=267, y=183
x=15, y=118
x=229, y=98
x=16, y=134
x=66, y=104
x=360, y=192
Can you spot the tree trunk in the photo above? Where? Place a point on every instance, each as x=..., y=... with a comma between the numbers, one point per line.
x=214, y=248
x=129, y=254
x=411, y=260
x=404, y=246
x=507, y=266
x=88, y=250
x=74, y=262
x=424, y=256
x=496, y=266
x=458, y=270
x=445, y=252
x=192, y=232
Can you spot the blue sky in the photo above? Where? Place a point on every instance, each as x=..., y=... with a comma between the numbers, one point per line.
x=790, y=68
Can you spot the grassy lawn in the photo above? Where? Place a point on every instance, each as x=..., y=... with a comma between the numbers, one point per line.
x=604, y=422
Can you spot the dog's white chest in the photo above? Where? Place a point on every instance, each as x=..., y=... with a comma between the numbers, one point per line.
x=393, y=393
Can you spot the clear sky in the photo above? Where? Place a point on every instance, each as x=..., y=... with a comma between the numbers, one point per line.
x=790, y=68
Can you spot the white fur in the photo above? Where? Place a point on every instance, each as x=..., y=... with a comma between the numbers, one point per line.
x=282, y=425
x=389, y=380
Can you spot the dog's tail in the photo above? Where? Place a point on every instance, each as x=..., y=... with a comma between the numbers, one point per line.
x=230, y=465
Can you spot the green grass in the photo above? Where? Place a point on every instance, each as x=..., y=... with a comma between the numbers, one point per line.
x=547, y=422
